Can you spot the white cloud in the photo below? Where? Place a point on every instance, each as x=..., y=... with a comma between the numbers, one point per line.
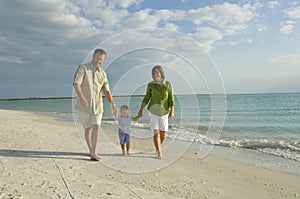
x=294, y=13
x=222, y=14
x=273, y=4
x=142, y=18
x=227, y=19
x=214, y=23
x=55, y=35
x=170, y=15
x=9, y=59
x=248, y=41
x=287, y=27
x=124, y=3
x=172, y=26
x=207, y=36
x=261, y=28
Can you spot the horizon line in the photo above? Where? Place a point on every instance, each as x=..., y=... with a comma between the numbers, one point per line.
x=72, y=97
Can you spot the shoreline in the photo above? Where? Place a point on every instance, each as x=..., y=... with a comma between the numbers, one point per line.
x=243, y=155
x=42, y=157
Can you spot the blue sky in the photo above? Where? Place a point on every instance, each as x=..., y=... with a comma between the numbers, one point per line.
x=250, y=46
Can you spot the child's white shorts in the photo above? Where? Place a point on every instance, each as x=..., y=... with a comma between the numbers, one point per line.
x=158, y=122
x=87, y=120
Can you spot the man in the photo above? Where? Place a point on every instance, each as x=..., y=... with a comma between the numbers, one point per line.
x=89, y=81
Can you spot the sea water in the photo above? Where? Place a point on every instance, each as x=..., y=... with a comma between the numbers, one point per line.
x=257, y=123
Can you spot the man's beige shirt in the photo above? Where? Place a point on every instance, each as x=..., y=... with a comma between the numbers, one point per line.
x=92, y=82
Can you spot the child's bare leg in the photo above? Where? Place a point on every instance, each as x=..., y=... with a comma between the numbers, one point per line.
x=123, y=149
x=127, y=147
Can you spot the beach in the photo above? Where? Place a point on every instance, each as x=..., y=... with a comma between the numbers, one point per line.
x=42, y=157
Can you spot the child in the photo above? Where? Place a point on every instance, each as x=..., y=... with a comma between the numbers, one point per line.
x=124, y=121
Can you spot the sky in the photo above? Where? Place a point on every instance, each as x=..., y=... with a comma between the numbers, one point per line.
x=207, y=46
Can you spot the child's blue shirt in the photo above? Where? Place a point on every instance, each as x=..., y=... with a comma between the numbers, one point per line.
x=124, y=125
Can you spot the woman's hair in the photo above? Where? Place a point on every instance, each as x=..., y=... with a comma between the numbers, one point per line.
x=124, y=107
x=161, y=70
x=101, y=51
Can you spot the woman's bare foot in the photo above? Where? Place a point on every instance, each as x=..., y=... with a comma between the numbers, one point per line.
x=159, y=154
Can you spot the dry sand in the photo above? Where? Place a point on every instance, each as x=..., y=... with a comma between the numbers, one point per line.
x=41, y=157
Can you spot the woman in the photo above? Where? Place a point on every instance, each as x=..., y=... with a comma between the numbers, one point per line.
x=160, y=97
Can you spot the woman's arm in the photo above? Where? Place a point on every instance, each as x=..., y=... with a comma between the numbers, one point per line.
x=135, y=118
x=171, y=114
x=140, y=113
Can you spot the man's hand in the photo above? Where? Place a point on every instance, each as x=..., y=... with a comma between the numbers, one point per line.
x=84, y=102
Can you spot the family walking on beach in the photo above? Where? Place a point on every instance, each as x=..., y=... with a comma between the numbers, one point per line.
x=90, y=79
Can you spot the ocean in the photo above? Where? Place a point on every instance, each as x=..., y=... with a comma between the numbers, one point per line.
x=265, y=125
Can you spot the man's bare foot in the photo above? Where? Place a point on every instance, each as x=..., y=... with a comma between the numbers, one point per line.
x=123, y=153
x=128, y=153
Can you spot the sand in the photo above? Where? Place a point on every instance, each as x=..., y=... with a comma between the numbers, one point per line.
x=42, y=157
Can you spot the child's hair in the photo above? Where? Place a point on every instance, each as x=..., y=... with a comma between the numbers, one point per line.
x=124, y=107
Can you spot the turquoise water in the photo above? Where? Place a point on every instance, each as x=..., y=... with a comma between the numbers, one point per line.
x=269, y=123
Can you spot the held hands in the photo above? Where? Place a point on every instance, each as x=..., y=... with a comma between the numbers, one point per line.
x=140, y=114
x=115, y=109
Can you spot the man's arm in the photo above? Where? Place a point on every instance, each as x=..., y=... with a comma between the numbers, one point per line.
x=110, y=99
x=80, y=95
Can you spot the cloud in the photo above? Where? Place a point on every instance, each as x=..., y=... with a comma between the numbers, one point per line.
x=228, y=19
x=124, y=3
x=294, y=13
x=42, y=42
x=142, y=18
x=287, y=27
x=208, y=36
x=9, y=59
x=273, y=4
x=222, y=15
x=261, y=28
x=213, y=23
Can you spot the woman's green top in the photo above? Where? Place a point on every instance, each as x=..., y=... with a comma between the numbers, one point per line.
x=161, y=98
